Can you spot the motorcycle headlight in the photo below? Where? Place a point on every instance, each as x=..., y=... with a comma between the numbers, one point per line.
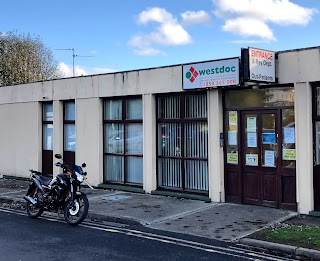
x=79, y=177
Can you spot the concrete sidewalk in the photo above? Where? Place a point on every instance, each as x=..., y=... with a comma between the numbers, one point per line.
x=221, y=221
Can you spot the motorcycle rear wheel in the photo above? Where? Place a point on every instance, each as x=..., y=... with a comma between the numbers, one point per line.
x=75, y=215
x=32, y=210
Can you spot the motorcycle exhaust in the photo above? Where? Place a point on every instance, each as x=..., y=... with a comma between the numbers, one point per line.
x=31, y=200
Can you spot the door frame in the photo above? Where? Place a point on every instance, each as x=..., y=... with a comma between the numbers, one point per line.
x=234, y=180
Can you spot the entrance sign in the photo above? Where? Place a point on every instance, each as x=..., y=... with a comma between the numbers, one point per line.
x=262, y=65
x=259, y=65
x=211, y=74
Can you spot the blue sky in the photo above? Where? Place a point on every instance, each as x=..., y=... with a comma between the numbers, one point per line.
x=134, y=34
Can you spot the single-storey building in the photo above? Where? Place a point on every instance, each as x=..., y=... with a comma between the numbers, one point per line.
x=244, y=129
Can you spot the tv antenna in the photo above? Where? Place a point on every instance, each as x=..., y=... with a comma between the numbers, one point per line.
x=73, y=56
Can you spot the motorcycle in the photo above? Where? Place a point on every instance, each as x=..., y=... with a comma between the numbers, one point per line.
x=58, y=194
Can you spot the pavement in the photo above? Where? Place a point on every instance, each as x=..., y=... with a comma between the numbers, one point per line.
x=220, y=221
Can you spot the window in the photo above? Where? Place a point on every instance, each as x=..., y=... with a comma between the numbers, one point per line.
x=69, y=127
x=69, y=132
x=123, y=141
x=288, y=139
x=47, y=126
x=183, y=142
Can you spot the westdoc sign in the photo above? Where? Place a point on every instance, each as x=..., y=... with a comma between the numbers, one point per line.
x=211, y=74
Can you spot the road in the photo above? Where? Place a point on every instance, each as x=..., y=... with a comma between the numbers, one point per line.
x=24, y=239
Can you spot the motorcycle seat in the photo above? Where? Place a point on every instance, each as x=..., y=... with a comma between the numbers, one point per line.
x=45, y=180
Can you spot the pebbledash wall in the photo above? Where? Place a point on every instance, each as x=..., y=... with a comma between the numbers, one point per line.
x=21, y=120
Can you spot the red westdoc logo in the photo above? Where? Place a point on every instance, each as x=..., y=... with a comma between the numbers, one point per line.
x=192, y=74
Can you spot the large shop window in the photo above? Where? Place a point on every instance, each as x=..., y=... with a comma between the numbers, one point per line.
x=69, y=132
x=183, y=142
x=47, y=138
x=123, y=141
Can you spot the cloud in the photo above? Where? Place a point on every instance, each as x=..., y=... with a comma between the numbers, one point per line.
x=149, y=52
x=239, y=14
x=67, y=70
x=249, y=27
x=168, y=31
x=156, y=14
x=192, y=17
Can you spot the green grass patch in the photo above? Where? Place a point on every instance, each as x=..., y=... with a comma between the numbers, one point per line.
x=296, y=235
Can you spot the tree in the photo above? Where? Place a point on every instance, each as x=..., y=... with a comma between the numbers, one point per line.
x=24, y=58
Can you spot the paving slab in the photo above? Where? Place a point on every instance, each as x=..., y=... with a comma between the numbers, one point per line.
x=227, y=222
x=143, y=208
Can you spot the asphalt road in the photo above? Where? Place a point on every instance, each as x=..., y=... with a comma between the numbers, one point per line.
x=24, y=239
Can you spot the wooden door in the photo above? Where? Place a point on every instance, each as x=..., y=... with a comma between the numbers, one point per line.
x=259, y=157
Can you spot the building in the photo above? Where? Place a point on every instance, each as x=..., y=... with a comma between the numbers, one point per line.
x=230, y=139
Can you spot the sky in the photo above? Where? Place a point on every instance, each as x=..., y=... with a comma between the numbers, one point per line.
x=122, y=35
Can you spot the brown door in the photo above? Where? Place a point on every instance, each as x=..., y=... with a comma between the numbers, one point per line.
x=259, y=157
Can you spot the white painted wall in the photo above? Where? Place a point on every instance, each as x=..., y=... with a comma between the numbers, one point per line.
x=215, y=157
x=304, y=147
x=299, y=66
x=20, y=138
x=149, y=143
x=89, y=138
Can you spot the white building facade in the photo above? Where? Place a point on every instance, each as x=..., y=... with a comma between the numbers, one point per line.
x=141, y=130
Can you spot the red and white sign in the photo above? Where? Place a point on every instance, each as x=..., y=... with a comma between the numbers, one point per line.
x=262, y=65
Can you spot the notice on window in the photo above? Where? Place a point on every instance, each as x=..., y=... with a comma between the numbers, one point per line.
x=232, y=138
x=288, y=154
x=252, y=159
x=288, y=135
x=232, y=158
x=233, y=118
x=268, y=138
x=252, y=139
x=269, y=158
x=251, y=124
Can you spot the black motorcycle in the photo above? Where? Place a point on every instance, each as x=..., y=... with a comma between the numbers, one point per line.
x=58, y=194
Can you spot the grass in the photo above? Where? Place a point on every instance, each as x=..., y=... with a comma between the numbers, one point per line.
x=297, y=235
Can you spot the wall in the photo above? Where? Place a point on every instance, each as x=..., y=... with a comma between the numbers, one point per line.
x=299, y=66
x=20, y=138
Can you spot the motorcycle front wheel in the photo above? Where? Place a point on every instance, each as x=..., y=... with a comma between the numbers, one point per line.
x=32, y=210
x=75, y=214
